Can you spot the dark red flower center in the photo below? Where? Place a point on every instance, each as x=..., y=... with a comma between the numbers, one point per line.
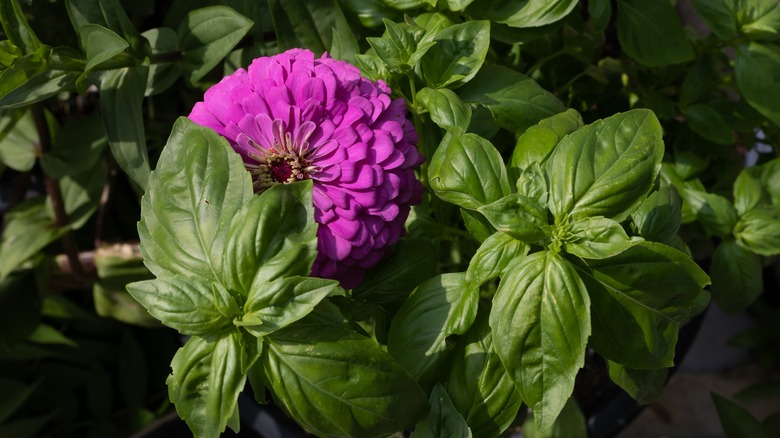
x=280, y=169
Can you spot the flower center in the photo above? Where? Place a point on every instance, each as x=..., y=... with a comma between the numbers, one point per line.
x=285, y=161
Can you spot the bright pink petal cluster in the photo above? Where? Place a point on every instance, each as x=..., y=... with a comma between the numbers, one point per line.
x=293, y=116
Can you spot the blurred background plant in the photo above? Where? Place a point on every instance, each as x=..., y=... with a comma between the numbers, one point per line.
x=89, y=91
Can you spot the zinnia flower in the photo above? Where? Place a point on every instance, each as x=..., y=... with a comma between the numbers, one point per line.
x=294, y=117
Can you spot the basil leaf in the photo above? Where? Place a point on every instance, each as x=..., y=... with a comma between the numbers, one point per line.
x=570, y=423
x=186, y=212
x=400, y=47
x=468, y=171
x=531, y=13
x=440, y=307
x=445, y=107
x=719, y=16
x=541, y=310
x=442, y=419
x=606, y=168
x=476, y=224
x=187, y=304
x=736, y=276
x=651, y=33
x=457, y=5
x=334, y=382
x=457, y=54
x=658, y=217
x=28, y=228
x=515, y=101
x=121, y=98
x=207, y=35
x=279, y=303
x=757, y=186
x=532, y=182
x=314, y=25
x=538, y=141
x=479, y=386
x=755, y=67
x=519, y=216
x=758, y=19
x=639, y=300
x=759, y=230
x=274, y=235
x=707, y=122
x=600, y=12
x=492, y=258
x=644, y=386
x=206, y=381
x=597, y=238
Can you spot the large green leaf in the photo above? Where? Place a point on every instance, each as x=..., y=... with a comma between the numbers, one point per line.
x=639, y=300
x=644, y=386
x=541, y=322
x=479, y=386
x=457, y=55
x=189, y=305
x=516, y=101
x=316, y=25
x=519, y=216
x=709, y=123
x=272, y=236
x=121, y=98
x=759, y=230
x=334, y=382
x=597, y=238
x=445, y=107
x=18, y=140
x=605, y=168
x=28, y=229
x=757, y=186
x=274, y=305
x=100, y=45
x=492, y=258
x=658, y=217
x=443, y=419
x=736, y=276
x=206, y=381
x=757, y=69
x=440, y=307
x=525, y=13
x=538, y=141
x=206, y=36
x=186, y=212
x=651, y=33
x=468, y=171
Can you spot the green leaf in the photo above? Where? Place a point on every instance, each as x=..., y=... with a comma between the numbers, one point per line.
x=538, y=141
x=28, y=229
x=15, y=394
x=479, y=386
x=18, y=140
x=736, y=276
x=206, y=381
x=100, y=45
x=412, y=262
x=121, y=98
x=707, y=122
x=334, y=382
x=162, y=75
x=532, y=182
x=541, y=310
x=44, y=85
x=457, y=5
x=457, y=55
x=443, y=419
x=758, y=19
x=20, y=309
x=759, y=230
x=644, y=386
x=639, y=300
x=606, y=168
x=46, y=334
x=440, y=307
x=188, y=208
x=757, y=67
x=187, y=304
x=207, y=35
x=716, y=213
x=468, y=171
x=116, y=266
x=398, y=47
x=274, y=235
x=445, y=107
x=570, y=424
x=597, y=238
x=22, y=72
x=8, y=53
x=719, y=16
x=311, y=24
x=516, y=101
x=16, y=28
x=81, y=194
x=658, y=217
x=518, y=216
x=493, y=257
x=274, y=305
x=700, y=79
x=78, y=145
x=109, y=14
x=650, y=32
x=757, y=186
x=736, y=420
x=600, y=12
x=528, y=13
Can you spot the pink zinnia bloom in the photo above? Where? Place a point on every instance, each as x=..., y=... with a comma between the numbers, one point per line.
x=294, y=117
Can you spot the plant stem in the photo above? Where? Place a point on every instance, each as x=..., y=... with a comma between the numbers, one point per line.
x=55, y=195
